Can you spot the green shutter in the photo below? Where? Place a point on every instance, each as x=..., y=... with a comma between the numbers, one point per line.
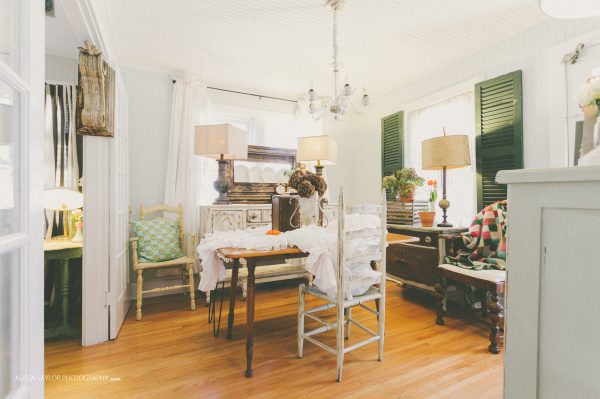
x=499, y=124
x=392, y=140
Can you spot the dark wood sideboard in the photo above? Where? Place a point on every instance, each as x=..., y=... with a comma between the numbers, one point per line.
x=416, y=263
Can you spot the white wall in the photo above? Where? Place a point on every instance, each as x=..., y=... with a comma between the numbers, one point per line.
x=61, y=70
x=149, y=93
x=149, y=96
x=359, y=166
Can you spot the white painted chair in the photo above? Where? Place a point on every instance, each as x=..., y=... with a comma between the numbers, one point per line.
x=186, y=263
x=342, y=305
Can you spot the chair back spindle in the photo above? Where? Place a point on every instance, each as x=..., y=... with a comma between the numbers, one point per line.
x=340, y=248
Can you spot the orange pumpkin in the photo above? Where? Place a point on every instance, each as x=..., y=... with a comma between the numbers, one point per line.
x=273, y=232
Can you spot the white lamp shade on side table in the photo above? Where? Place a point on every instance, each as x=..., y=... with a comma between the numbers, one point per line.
x=220, y=142
x=322, y=149
x=62, y=199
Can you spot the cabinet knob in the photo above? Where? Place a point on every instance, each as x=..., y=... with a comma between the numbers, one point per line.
x=428, y=240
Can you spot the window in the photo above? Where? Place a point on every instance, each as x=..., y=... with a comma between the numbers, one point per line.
x=457, y=116
x=263, y=127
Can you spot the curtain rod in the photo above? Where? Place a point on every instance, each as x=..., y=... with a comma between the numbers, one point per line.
x=248, y=94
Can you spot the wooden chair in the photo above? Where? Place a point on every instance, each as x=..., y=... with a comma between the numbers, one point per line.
x=342, y=305
x=493, y=281
x=184, y=263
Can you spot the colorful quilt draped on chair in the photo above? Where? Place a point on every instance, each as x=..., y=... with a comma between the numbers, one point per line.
x=484, y=246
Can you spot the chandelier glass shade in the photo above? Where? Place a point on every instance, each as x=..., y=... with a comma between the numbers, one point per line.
x=341, y=101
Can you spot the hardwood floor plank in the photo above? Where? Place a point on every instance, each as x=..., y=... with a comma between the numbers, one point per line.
x=172, y=353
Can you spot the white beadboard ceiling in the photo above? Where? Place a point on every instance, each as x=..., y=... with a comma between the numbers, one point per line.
x=277, y=47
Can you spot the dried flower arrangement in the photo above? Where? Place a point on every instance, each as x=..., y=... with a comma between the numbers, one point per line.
x=306, y=183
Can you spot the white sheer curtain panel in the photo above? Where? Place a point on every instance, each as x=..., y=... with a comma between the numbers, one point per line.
x=457, y=116
x=62, y=146
x=190, y=107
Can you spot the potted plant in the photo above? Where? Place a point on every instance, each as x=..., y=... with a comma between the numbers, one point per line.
x=402, y=184
x=428, y=217
x=391, y=187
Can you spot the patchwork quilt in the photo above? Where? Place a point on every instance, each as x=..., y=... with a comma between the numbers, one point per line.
x=484, y=246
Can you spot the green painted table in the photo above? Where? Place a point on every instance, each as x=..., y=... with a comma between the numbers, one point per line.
x=63, y=250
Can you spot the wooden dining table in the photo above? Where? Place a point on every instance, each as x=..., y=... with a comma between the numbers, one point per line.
x=252, y=257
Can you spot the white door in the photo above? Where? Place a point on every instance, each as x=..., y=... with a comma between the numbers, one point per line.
x=119, y=218
x=21, y=213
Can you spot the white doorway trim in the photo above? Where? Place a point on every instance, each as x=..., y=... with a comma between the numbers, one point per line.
x=21, y=250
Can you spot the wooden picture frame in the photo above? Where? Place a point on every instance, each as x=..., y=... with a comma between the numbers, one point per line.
x=258, y=193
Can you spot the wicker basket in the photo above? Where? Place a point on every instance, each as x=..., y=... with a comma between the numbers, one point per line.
x=405, y=212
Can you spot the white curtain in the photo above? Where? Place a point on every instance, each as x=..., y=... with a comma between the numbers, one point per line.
x=190, y=107
x=457, y=116
x=62, y=147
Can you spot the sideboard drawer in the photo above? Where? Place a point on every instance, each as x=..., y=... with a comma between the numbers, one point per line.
x=254, y=216
x=222, y=220
x=266, y=215
x=413, y=262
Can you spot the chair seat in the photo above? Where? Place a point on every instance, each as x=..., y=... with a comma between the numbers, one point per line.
x=492, y=276
x=371, y=294
x=184, y=260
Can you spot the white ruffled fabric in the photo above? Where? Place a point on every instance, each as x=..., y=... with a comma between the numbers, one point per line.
x=361, y=246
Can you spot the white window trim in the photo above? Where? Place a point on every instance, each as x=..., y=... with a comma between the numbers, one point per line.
x=225, y=117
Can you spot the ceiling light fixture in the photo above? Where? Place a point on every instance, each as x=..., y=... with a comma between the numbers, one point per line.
x=570, y=8
x=341, y=101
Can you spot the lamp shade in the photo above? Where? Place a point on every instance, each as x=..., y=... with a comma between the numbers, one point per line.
x=62, y=199
x=570, y=8
x=449, y=151
x=322, y=149
x=220, y=142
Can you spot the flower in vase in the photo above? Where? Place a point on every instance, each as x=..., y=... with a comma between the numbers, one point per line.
x=433, y=193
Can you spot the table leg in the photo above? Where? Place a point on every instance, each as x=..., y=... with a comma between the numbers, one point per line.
x=232, y=297
x=65, y=292
x=251, y=265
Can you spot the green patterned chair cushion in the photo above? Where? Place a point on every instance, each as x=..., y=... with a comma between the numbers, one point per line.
x=158, y=240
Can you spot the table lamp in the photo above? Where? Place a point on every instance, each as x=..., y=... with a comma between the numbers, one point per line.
x=446, y=152
x=65, y=200
x=223, y=143
x=322, y=149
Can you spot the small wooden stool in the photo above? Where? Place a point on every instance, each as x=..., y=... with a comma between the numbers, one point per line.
x=493, y=281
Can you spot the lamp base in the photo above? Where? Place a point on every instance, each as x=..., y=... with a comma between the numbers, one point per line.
x=222, y=184
x=319, y=169
x=445, y=225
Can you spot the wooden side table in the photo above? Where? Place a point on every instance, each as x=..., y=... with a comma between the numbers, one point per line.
x=63, y=251
x=415, y=263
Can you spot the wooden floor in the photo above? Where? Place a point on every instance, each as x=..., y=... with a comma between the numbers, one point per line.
x=172, y=353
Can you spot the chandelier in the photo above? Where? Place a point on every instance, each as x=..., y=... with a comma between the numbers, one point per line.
x=341, y=101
